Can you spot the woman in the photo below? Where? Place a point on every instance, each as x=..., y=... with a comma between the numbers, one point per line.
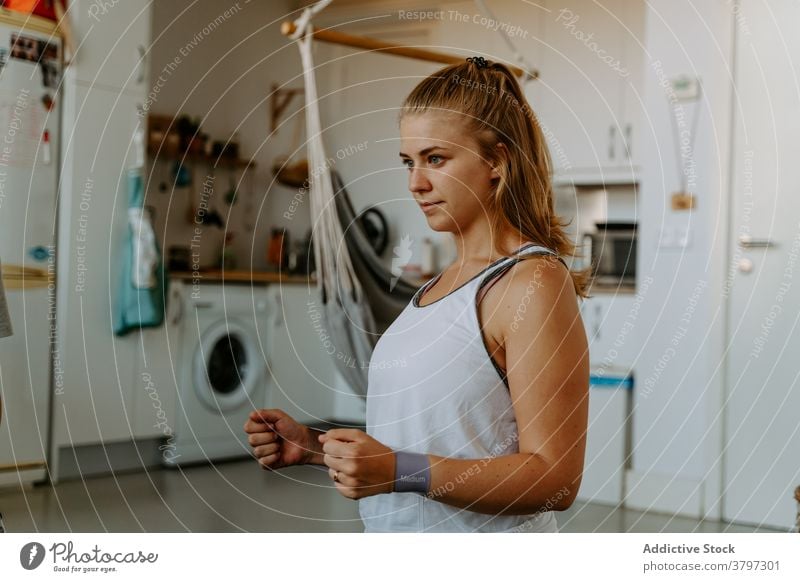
x=483, y=428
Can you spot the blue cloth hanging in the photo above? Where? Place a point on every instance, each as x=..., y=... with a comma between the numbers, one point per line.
x=141, y=300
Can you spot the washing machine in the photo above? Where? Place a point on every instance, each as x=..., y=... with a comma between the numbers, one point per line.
x=224, y=346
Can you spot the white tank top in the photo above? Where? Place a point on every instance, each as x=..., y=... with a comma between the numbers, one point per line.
x=434, y=389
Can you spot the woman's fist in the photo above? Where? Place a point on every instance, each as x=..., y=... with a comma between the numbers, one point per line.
x=278, y=440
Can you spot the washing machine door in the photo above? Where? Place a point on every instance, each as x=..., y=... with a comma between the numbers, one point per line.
x=228, y=367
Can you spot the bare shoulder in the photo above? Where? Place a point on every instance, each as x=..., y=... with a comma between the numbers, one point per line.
x=536, y=290
x=542, y=276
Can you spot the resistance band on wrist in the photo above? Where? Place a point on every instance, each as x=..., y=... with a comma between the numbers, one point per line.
x=412, y=472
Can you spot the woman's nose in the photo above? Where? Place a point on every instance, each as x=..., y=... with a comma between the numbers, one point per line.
x=418, y=181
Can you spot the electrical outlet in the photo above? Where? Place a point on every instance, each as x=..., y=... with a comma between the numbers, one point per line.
x=686, y=88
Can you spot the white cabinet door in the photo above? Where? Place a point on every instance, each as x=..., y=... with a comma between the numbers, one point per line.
x=98, y=367
x=158, y=371
x=610, y=327
x=304, y=378
x=584, y=70
x=606, y=451
x=114, y=38
x=633, y=58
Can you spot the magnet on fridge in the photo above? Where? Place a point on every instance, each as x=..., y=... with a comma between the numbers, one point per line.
x=46, y=147
x=48, y=102
x=40, y=253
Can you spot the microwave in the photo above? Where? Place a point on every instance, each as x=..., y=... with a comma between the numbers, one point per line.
x=612, y=249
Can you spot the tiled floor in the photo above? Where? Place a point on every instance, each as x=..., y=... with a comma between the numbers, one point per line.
x=239, y=496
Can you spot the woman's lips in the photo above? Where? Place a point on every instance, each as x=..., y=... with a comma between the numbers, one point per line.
x=428, y=206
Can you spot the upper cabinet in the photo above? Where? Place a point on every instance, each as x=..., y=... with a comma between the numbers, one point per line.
x=113, y=42
x=588, y=95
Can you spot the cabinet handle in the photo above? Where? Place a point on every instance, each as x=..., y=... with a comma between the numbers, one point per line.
x=628, y=140
x=141, y=53
x=598, y=312
x=278, y=310
x=611, y=139
x=178, y=315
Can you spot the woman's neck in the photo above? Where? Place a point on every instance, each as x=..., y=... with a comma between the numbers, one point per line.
x=479, y=249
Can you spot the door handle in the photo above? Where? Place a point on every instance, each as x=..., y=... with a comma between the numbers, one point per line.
x=611, y=138
x=177, y=300
x=628, y=136
x=748, y=242
x=598, y=313
x=141, y=53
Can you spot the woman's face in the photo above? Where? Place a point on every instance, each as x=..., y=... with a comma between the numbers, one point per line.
x=445, y=167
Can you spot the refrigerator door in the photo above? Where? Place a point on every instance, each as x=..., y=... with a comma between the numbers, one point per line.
x=25, y=382
x=30, y=73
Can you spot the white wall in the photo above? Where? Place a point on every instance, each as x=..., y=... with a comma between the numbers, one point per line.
x=677, y=430
x=224, y=76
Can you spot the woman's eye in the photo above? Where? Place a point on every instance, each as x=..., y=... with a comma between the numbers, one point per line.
x=432, y=158
x=407, y=163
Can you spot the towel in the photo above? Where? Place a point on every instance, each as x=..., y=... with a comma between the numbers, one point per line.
x=141, y=300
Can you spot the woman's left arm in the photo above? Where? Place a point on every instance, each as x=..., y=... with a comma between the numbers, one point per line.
x=548, y=375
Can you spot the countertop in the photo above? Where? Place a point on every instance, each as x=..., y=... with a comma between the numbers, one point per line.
x=242, y=276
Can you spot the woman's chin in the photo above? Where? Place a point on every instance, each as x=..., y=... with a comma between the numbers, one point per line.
x=440, y=225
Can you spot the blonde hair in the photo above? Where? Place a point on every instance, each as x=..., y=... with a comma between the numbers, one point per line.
x=496, y=110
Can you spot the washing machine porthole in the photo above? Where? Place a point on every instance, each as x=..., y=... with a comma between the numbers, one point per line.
x=227, y=364
x=226, y=367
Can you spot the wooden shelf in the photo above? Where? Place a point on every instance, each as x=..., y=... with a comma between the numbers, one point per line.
x=200, y=158
x=243, y=277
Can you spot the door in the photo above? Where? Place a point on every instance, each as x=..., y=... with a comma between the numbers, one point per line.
x=761, y=460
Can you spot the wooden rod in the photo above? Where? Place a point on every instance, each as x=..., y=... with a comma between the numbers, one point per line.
x=372, y=44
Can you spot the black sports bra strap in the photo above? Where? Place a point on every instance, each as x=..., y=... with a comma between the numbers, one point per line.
x=501, y=269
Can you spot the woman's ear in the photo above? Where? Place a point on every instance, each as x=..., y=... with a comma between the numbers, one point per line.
x=500, y=158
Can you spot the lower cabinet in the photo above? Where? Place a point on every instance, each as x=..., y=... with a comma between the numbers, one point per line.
x=305, y=382
x=154, y=387
x=608, y=440
x=611, y=328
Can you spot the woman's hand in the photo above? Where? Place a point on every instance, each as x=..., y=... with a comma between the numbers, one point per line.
x=278, y=440
x=361, y=465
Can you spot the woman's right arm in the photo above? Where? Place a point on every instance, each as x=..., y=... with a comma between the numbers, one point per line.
x=280, y=441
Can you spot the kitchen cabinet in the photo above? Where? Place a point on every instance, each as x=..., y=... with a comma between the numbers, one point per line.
x=113, y=38
x=158, y=371
x=610, y=321
x=587, y=98
x=608, y=440
x=305, y=383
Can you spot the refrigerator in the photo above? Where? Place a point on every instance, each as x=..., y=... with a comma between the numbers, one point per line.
x=30, y=76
